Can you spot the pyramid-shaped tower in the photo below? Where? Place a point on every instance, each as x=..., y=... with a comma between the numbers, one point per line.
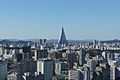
x=62, y=39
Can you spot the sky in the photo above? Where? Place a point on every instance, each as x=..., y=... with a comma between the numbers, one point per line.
x=81, y=19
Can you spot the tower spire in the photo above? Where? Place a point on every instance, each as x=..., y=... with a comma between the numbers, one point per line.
x=62, y=39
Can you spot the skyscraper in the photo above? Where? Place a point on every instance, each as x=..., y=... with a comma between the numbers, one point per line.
x=45, y=66
x=82, y=55
x=62, y=42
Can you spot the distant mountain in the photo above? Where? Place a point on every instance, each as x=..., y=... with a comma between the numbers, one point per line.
x=9, y=41
x=111, y=41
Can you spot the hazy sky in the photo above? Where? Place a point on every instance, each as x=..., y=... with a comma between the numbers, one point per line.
x=81, y=19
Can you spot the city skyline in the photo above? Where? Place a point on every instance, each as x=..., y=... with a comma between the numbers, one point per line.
x=44, y=19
